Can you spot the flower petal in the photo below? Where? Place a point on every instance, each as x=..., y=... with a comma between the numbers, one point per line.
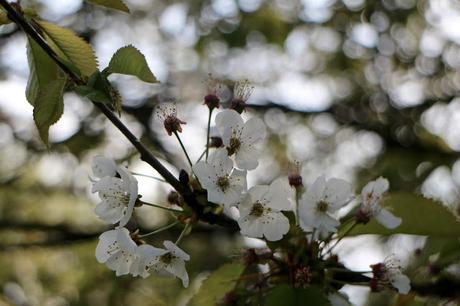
x=387, y=219
x=103, y=166
x=401, y=282
x=175, y=250
x=226, y=121
x=106, y=246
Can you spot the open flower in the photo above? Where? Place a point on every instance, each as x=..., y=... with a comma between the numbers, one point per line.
x=167, y=112
x=117, y=250
x=371, y=195
x=319, y=204
x=118, y=194
x=225, y=185
x=172, y=262
x=260, y=212
x=389, y=274
x=147, y=257
x=241, y=139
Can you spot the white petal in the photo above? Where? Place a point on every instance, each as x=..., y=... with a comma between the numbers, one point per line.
x=401, y=282
x=131, y=184
x=205, y=174
x=375, y=189
x=107, y=241
x=337, y=193
x=258, y=192
x=387, y=219
x=147, y=256
x=226, y=121
x=109, y=186
x=253, y=131
x=220, y=162
x=277, y=228
x=307, y=214
x=246, y=159
x=108, y=213
x=238, y=178
x=251, y=227
x=175, y=250
x=103, y=166
x=124, y=240
x=316, y=190
x=177, y=268
x=280, y=195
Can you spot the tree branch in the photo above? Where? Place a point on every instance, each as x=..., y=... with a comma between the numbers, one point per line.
x=146, y=155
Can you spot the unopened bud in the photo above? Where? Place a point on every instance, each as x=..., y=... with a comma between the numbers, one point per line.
x=216, y=142
x=212, y=101
x=295, y=180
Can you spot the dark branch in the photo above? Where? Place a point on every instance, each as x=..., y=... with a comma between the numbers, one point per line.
x=146, y=155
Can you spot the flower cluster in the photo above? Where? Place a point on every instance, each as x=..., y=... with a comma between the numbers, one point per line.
x=307, y=216
x=118, y=249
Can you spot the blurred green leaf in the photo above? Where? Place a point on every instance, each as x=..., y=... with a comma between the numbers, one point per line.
x=447, y=250
x=43, y=70
x=113, y=4
x=49, y=106
x=420, y=216
x=4, y=17
x=217, y=285
x=70, y=47
x=128, y=60
x=286, y=295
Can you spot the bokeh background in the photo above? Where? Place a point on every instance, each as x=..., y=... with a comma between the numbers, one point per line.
x=353, y=89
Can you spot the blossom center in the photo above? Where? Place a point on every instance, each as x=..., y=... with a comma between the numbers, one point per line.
x=257, y=209
x=234, y=145
x=167, y=258
x=322, y=206
x=223, y=182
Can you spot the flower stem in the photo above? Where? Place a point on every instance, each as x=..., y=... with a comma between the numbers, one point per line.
x=208, y=132
x=161, y=207
x=182, y=234
x=341, y=237
x=201, y=156
x=160, y=229
x=149, y=176
x=183, y=149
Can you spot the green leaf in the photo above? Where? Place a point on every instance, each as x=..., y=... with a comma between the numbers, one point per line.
x=420, y=216
x=70, y=47
x=43, y=70
x=128, y=60
x=92, y=94
x=446, y=249
x=217, y=285
x=49, y=106
x=113, y=4
x=286, y=295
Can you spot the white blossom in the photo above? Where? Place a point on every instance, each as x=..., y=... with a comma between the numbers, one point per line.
x=147, y=256
x=260, y=212
x=319, y=204
x=241, y=139
x=118, y=194
x=371, y=195
x=389, y=273
x=225, y=185
x=172, y=262
x=117, y=250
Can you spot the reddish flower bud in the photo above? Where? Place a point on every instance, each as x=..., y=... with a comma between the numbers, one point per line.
x=216, y=142
x=168, y=113
x=241, y=94
x=362, y=217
